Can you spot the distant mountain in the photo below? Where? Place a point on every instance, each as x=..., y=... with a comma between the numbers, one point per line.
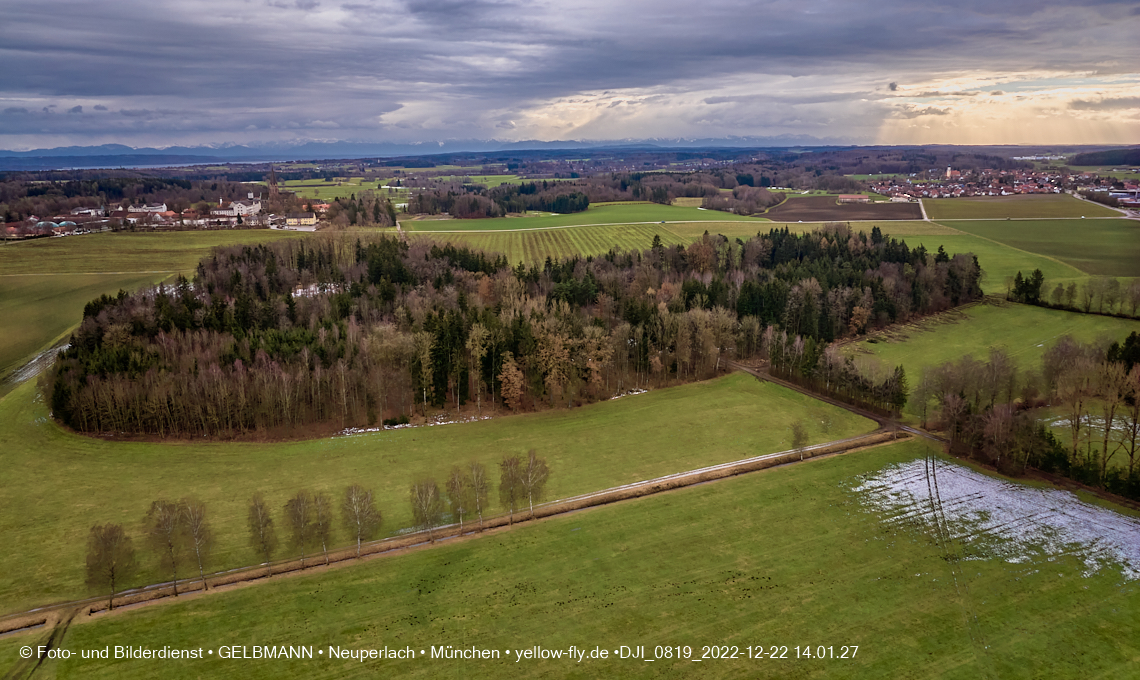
x=114, y=155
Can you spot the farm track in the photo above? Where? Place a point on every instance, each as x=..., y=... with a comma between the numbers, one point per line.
x=54, y=614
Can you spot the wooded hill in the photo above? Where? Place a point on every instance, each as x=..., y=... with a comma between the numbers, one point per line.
x=335, y=332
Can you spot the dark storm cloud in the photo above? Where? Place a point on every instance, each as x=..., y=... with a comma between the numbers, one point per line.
x=210, y=70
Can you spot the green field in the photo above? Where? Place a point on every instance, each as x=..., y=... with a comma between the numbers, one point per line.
x=998, y=261
x=491, y=181
x=785, y=557
x=60, y=484
x=1017, y=206
x=617, y=213
x=1099, y=247
x=1024, y=331
x=533, y=247
x=171, y=252
x=38, y=310
x=45, y=283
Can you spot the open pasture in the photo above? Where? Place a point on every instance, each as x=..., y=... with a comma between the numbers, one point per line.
x=1098, y=247
x=1024, y=331
x=614, y=213
x=492, y=181
x=999, y=262
x=167, y=252
x=38, y=310
x=342, y=188
x=796, y=556
x=533, y=247
x=58, y=484
x=828, y=209
x=1016, y=206
x=45, y=283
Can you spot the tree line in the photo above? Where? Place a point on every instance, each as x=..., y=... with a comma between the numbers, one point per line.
x=335, y=332
x=987, y=407
x=1099, y=294
x=180, y=537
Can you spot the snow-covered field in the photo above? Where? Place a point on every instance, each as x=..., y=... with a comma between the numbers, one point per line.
x=991, y=518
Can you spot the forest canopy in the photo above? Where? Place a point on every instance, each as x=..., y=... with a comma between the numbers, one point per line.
x=335, y=332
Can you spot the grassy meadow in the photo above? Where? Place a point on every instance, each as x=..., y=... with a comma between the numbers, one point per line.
x=1099, y=247
x=167, y=252
x=1024, y=331
x=1016, y=206
x=783, y=557
x=39, y=310
x=59, y=484
x=45, y=283
x=998, y=261
x=533, y=247
x=605, y=213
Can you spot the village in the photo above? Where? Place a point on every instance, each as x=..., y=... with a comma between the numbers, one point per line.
x=240, y=214
x=988, y=182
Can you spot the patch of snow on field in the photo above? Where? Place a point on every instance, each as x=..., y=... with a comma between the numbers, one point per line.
x=437, y=420
x=991, y=517
x=629, y=393
x=1119, y=424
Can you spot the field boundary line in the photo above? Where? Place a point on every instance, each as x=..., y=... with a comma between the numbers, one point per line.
x=17, y=622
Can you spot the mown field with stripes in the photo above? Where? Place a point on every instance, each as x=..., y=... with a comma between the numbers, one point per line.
x=536, y=246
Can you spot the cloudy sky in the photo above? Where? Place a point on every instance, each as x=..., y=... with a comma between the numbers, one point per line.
x=166, y=72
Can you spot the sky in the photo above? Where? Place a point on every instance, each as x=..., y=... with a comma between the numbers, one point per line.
x=209, y=72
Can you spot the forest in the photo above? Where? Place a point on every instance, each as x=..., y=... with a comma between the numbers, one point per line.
x=466, y=201
x=334, y=332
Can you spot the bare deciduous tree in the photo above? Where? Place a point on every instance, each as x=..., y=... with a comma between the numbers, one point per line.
x=299, y=512
x=1132, y=418
x=1112, y=387
x=165, y=534
x=198, y=532
x=427, y=506
x=262, y=533
x=480, y=487
x=533, y=477
x=510, y=491
x=458, y=494
x=360, y=514
x=110, y=559
x=322, y=521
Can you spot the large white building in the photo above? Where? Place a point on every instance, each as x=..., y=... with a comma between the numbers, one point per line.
x=244, y=208
x=148, y=208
